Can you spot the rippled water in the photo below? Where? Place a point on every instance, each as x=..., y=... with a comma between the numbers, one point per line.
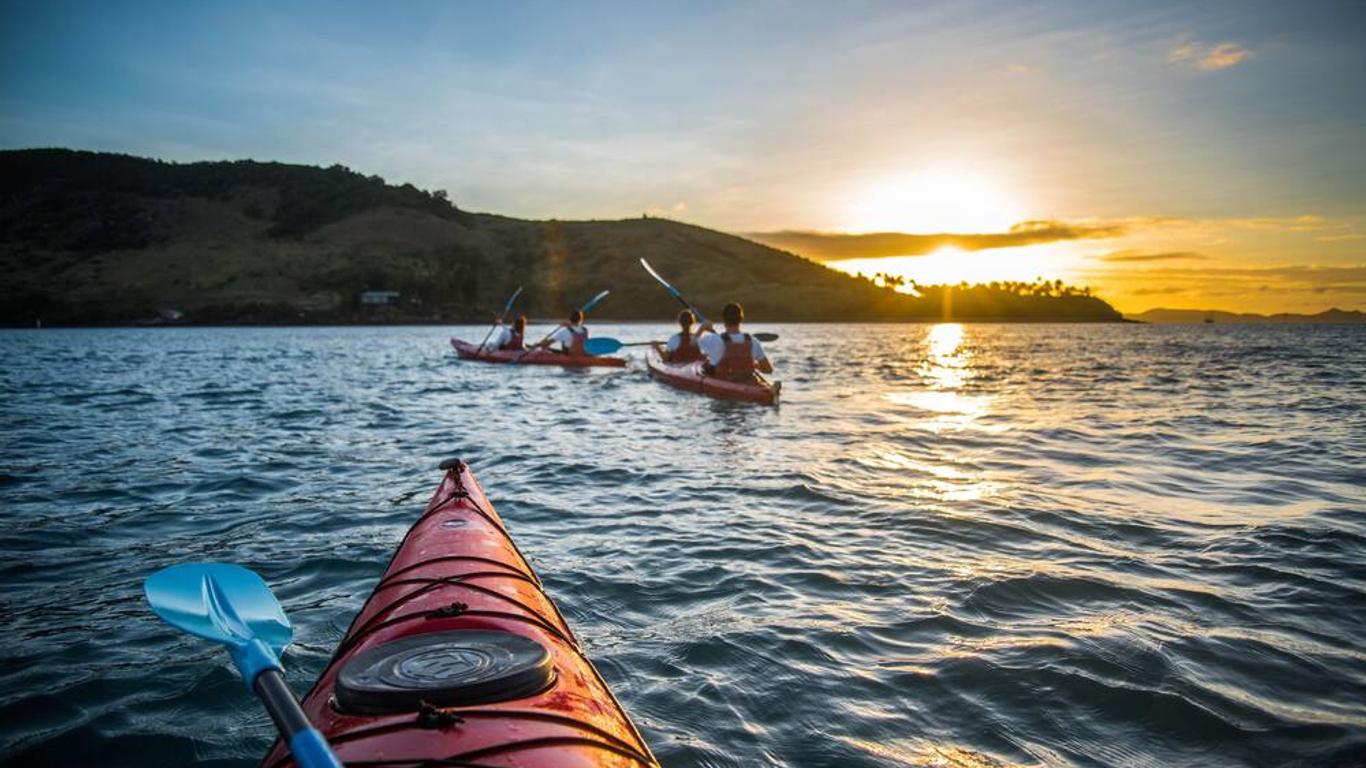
x=951, y=545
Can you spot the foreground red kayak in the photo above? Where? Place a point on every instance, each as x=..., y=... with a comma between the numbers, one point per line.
x=468, y=351
x=689, y=376
x=459, y=658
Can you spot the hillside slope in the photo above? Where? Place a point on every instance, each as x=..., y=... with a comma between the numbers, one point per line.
x=100, y=238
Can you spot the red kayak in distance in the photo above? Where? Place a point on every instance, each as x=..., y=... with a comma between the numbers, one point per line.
x=468, y=351
x=460, y=658
x=689, y=376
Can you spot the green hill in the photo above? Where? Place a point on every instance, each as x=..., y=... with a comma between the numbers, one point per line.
x=100, y=238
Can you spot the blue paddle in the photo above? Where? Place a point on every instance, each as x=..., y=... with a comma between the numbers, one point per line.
x=232, y=606
x=673, y=291
x=696, y=312
x=606, y=345
x=501, y=316
x=593, y=302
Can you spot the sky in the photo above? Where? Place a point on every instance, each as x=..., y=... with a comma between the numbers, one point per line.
x=1190, y=155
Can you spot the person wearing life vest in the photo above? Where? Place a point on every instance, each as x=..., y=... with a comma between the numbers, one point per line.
x=513, y=337
x=570, y=336
x=682, y=346
x=732, y=355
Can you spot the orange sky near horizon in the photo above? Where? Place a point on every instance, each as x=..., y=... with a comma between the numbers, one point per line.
x=1295, y=263
x=1232, y=265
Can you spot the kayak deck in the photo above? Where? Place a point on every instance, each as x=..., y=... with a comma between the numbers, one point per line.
x=459, y=574
x=689, y=376
x=468, y=351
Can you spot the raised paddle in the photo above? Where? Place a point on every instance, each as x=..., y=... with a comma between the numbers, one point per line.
x=593, y=302
x=606, y=345
x=501, y=316
x=673, y=291
x=696, y=312
x=232, y=606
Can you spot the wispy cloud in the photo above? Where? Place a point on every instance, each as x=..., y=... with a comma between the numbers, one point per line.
x=1166, y=290
x=830, y=246
x=1304, y=223
x=1233, y=281
x=1139, y=256
x=1285, y=288
x=1208, y=57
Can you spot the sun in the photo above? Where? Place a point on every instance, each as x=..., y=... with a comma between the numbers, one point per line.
x=932, y=201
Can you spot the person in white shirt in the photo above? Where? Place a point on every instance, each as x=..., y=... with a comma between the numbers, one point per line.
x=505, y=337
x=732, y=355
x=682, y=346
x=570, y=336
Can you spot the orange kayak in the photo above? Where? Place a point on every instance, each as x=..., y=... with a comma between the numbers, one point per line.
x=459, y=657
x=689, y=376
x=468, y=351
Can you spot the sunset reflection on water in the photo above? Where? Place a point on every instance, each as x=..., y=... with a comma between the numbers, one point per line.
x=936, y=398
x=944, y=372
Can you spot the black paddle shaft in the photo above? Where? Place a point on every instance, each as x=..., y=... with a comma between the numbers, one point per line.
x=284, y=709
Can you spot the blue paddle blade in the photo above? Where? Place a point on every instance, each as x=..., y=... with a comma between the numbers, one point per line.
x=221, y=602
x=659, y=279
x=593, y=302
x=601, y=346
x=697, y=313
x=511, y=300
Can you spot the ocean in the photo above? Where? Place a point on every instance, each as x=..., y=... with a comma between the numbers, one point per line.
x=951, y=545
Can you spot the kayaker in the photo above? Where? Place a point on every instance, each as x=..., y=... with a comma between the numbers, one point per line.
x=570, y=336
x=682, y=346
x=732, y=355
x=513, y=338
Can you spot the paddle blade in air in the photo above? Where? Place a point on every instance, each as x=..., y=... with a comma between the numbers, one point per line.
x=593, y=302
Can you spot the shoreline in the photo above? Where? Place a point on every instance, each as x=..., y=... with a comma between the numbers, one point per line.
x=662, y=321
x=603, y=321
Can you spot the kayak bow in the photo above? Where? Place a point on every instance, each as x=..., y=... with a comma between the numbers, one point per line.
x=460, y=658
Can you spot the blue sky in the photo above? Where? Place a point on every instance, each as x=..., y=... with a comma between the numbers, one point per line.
x=749, y=117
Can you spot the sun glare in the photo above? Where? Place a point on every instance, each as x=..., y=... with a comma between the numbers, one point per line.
x=950, y=265
x=931, y=202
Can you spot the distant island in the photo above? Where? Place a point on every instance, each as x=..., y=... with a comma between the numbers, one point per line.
x=96, y=238
x=1242, y=318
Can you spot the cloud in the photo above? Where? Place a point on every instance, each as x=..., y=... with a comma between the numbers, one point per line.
x=830, y=246
x=1167, y=290
x=1299, y=278
x=1133, y=256
x=1305, y=223
x=1208, y=58
x=1341, y=238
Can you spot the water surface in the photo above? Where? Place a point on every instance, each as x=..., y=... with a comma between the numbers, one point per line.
x=951, y=545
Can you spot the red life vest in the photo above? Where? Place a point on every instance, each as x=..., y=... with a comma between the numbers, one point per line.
x=737, y=362
x=514, y=341
x=687, y=350
x=576, y=340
